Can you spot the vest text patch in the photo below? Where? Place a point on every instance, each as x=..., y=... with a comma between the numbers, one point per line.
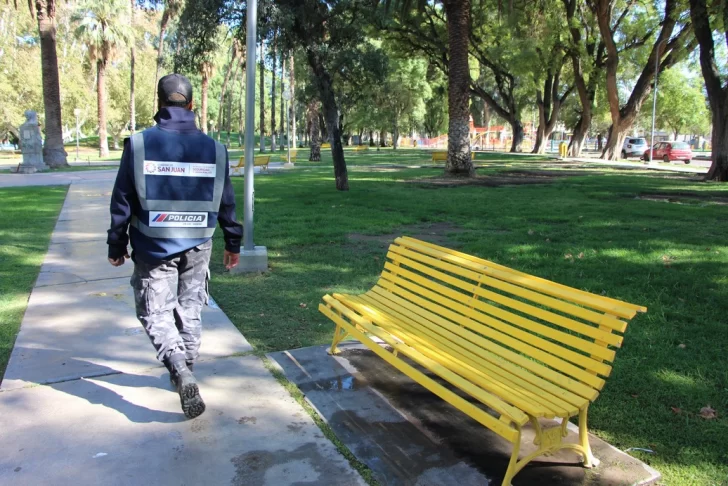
x=177, y=220
x=179, y=169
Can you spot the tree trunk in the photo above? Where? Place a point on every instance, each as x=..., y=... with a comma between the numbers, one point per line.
x=273, y=96
x=371, y=138
x=282, y=129
x=539, y=147
x=314, y=131
x=458, y=145
x=395, y=134
x=580, y=131
x=233, y=65
x=262, y=99
x=160, y=59
x=292, y=90
x=241, y=116
x=101, y=106
x=205, y=72
x=54, y=155
x=132, y=67
x=517, y=127
x=331, y=110
x=361, y=134
x=717, y=92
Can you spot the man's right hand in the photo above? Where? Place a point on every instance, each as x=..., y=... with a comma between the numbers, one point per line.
x=118, y=261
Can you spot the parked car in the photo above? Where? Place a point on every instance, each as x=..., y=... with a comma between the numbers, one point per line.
x=669, y=151
x=634, y=147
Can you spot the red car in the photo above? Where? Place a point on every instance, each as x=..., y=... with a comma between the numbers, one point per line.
x=668, y=151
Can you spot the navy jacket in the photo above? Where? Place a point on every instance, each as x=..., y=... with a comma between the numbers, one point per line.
x=177, y=133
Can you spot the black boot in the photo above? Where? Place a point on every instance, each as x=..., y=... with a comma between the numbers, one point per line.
x=172, y=375
x=186, y=385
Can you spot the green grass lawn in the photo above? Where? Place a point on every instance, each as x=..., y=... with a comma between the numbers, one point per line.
x=590, y=232
x=26, y=222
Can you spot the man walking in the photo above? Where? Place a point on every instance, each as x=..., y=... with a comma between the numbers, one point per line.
x=173, y=186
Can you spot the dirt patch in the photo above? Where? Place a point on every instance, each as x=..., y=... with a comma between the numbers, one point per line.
x=685, y=197
x=437, y=233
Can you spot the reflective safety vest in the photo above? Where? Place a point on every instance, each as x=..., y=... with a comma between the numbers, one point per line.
x=179, y=200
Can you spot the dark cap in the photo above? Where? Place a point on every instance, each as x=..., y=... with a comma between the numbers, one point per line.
x=174, y=89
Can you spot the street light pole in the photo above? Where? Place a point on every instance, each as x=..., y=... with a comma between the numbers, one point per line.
x=654, y=100
x=77, y=112
x=252, y=258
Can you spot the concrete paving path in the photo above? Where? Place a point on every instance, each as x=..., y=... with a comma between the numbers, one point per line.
x=104, y=412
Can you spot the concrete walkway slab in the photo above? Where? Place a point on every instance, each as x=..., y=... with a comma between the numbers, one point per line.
x=104, y=412
x=409, y=436
x=90, y=329
x=127, y=429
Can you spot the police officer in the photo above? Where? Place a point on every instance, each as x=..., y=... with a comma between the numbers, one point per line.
x=173, y=186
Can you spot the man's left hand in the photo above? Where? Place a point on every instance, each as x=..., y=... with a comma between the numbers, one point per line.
x=119, y=261
x=231, y=260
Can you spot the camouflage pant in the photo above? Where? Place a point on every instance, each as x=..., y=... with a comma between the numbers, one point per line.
x=169, y=299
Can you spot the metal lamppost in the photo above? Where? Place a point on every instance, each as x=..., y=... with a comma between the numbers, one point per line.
x=654, y=100
x=287, y=98
x=252, y=258
x=77, y=112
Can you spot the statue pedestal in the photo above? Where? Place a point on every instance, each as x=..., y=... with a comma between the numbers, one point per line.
x=31, y=145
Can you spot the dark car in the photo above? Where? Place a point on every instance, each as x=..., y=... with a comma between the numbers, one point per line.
x=669, y=151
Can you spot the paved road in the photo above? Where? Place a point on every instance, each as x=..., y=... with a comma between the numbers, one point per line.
x=105, y=412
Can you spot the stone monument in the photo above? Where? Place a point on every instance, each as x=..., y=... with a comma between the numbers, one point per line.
x=31, y=144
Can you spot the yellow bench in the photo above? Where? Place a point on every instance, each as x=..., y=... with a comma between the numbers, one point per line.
x=325, y=145
x=261, y=161
x=443, y=156
x=294, y=154
x=524, y=347
x=361, y=148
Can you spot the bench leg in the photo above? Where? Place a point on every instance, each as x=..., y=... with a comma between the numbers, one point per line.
x=513, y=466
x=589, y=459
x=339, y=335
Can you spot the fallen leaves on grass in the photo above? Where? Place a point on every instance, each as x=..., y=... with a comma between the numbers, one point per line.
x=681, y=346
x=676, y=410
x=707, y=413
x=530, y=232
x=302, y=305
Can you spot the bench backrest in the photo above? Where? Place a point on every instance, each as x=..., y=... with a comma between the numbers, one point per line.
x=564, y=335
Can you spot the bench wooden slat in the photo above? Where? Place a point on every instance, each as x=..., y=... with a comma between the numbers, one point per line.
x=429, y=311
x=493, y=402
x=532, y=347
x=533, y=400
x=584, y=329
x=481, y=275
x=494, y=363
x=567, y=290
x=607, y=305
x=576, y=342
x=529, y=339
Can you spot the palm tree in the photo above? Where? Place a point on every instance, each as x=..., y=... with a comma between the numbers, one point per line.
x=172, y=9
x=457, y=13
x=103, y=28
x=54, y=154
